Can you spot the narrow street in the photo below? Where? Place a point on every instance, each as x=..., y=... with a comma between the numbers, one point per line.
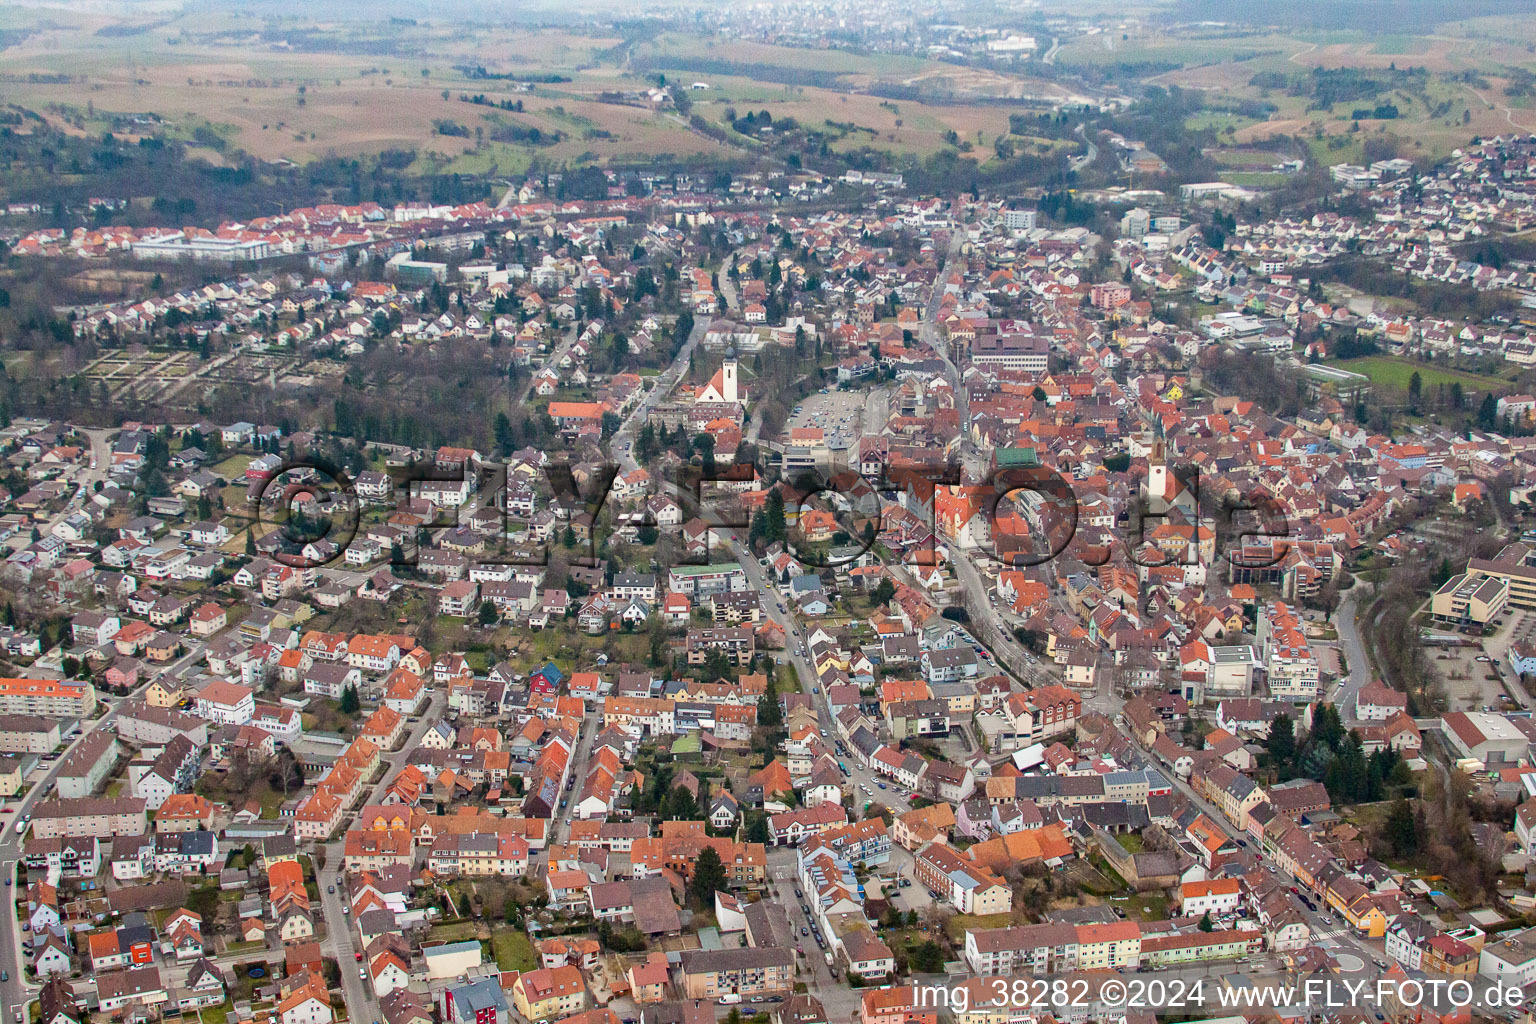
x=622, y=444
x=1332, y=934
x=867, y=785
x=340, y=940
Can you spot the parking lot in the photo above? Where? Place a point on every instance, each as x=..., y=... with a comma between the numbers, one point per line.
x=839, y=414
x=1470, y=676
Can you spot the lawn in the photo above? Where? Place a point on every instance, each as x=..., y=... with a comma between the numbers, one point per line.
x=453, y=931
x=959, y=924
x=1131, y=842
x=1393, y=372
x=233, y=467
x=214, y=1014
x=1147, y=906
x=514, y=951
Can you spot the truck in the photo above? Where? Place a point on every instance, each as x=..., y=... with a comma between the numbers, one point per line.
x=729, y=997
x=831, y=961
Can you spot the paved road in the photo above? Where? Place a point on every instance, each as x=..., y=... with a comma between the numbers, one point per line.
x=1352, y=648
x=860, y=778
x=623, y=441
x=340, y=939
x=576, y=772
x=874, y=413
x=1077, y=163
x=840, y=1002
x=727, y=286
x=988, y=623
x=97, y=463
x=553, y=363
x=1332, y=934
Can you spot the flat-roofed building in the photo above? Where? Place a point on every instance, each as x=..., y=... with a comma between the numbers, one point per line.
x=1470, y=599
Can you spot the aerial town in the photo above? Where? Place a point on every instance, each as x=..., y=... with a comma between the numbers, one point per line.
x=776, y=595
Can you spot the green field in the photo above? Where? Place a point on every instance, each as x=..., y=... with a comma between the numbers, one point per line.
x=514, y=951
x=1398, y=44
x=1392, y=372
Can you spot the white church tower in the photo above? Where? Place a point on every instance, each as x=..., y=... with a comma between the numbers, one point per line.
x=724, y=386
x=728, y=388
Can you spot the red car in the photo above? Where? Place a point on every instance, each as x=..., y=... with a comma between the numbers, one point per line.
x=357, y=956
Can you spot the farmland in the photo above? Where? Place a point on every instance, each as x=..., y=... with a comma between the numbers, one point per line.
x=219, y=82
x=232, y=82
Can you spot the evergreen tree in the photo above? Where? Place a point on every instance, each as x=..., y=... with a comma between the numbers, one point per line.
x=1206, y=924
x=926, y=958
x=773, y=514
x=1327, y=729
x=769, y=715
x=1400, y=830
x=349, y=701
x=1281, y=747
x=756, y=828
x=679, y=805
x=1488, y=412
x=504, y=438
x=1347, y=777
x=708, y=876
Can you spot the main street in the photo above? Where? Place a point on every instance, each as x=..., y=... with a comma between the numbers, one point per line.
x=874, y=788
x=988, y=622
